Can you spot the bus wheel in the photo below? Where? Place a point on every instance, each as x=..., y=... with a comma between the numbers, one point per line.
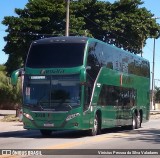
x=46, y=132
x=138, y=121
x=134, y=122
x=96, y=127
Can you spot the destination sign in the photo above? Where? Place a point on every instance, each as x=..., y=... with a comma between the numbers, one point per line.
x=57, y=71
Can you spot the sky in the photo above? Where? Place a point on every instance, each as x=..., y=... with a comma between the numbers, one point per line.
x=7, y=9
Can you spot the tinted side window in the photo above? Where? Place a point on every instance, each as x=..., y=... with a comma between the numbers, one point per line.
x=117, y=96
x=145, y=69
x=139, y=67
x=108, y=56
x=113, y=58
x=93, y=61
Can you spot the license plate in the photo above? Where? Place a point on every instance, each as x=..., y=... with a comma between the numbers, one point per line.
x=48, y=125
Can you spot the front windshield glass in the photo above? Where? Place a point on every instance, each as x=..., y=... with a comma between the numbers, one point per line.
x=61, y=55
x=52, y=92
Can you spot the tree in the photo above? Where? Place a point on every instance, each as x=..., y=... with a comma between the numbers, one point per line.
x=9, y=96
x=134, y=22
x=37, y=20
x=112, y=23
x=157, y=94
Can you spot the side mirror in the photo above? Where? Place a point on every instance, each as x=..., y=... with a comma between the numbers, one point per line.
x=15, y=75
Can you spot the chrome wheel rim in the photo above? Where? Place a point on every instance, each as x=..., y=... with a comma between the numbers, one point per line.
x=95, y=125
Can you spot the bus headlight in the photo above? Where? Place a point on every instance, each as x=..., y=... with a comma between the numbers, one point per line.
x=28, y=116
x=72, y=116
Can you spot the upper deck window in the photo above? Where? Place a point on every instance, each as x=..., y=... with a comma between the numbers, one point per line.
x=56, y=55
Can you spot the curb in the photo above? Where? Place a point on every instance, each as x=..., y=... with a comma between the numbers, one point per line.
x=154, y=112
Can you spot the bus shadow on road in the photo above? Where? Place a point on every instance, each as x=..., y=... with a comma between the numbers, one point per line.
x=18, y=134
x=37, y=134
x=55, y=134
x=150, y=135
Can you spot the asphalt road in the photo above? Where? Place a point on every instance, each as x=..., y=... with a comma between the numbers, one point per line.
x=13, y=136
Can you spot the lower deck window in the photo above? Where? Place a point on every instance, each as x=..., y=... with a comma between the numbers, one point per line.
x=117, y=96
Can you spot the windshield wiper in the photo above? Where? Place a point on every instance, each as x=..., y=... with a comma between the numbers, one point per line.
x=65, y=104
x=41, y=98
x=69, y=105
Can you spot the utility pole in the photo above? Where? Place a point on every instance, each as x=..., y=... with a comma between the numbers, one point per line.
x=152, y=93
x=67, y=17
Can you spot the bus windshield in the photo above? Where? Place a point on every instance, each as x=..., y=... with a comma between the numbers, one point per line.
x=56, y=93
x=55, y=55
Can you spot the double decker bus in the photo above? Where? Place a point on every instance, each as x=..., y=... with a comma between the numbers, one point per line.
x=81, y=83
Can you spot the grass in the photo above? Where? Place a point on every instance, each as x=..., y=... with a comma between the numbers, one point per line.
x=9, y=118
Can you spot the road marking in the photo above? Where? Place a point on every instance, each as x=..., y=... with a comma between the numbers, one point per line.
x=65, y=145
x=103, y=138
x=9, y=156
x=98, y=138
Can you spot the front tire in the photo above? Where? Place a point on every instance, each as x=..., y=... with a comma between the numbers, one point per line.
x=96, y=127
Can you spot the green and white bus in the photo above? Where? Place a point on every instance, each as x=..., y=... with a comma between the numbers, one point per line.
x=81, y=83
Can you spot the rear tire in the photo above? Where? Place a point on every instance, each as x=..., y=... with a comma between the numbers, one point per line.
x=46, y=132
x=138, y=124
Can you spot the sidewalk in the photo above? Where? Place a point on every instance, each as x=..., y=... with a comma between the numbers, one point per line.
x=6, y=112
x=154, y=112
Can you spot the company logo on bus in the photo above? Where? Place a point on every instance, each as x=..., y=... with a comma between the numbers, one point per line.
x=43, y=72
x=58, y=71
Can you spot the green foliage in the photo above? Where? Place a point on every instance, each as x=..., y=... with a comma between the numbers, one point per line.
x=2, y=68
x=9, y=95
x=133, y=22
x=122, y=23
x=157, y=94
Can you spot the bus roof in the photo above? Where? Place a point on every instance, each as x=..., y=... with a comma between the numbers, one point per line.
x=80, y=39
x=65, y=39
